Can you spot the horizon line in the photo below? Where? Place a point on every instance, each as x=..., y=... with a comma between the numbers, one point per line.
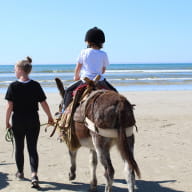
x=116, y=63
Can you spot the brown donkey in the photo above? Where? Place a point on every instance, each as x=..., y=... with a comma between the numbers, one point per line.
x=105, y=118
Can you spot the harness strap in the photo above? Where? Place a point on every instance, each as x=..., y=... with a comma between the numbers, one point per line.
x=107, y=132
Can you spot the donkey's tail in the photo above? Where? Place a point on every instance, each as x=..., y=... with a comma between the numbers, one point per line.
x=126, y=147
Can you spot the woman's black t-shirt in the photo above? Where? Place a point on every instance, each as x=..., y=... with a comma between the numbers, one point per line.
x=25, y=96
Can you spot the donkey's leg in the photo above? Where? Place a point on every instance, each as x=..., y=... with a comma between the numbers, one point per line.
x=102, y=146
x=130, y=177
x=129, y=173
x=72, y=173
x=93, y=166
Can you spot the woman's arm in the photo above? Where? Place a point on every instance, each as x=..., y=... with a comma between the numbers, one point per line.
x=77, y=71
x=45, y=107
x=8, y=113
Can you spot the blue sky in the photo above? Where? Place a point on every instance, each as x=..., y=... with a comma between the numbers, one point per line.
x=137, y=31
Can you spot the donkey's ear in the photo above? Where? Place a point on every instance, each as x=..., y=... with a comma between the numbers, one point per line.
x=60, y=87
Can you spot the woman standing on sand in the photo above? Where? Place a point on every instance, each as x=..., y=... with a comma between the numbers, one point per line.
x=23, y=96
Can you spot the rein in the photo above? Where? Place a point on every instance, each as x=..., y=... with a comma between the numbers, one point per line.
x=9, y=135
x=56, y=123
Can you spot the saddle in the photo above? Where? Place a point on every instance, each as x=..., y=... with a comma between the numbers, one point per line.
x=66, y=121
x=75, y=112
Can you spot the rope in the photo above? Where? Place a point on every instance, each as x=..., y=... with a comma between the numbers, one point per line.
x=9, y=137
x=55, y=124
x=44, y=124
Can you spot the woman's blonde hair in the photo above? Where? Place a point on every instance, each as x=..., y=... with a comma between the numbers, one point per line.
x=25, y=64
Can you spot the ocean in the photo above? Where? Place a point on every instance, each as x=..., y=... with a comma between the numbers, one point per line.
x=125, y=77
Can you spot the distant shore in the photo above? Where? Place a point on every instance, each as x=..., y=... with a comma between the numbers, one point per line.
x=162, y=149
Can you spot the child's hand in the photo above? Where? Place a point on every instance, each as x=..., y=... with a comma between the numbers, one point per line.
x=76, y=77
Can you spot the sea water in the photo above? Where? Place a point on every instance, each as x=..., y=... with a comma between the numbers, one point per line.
x=125, y=77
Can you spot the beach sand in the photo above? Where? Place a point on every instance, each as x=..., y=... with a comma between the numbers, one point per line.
x=162, y=150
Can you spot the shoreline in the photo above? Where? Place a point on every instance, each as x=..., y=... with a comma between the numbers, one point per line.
x=126, y=88
x=162, y=149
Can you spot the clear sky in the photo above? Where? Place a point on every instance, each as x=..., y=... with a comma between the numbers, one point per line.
x=137, y=31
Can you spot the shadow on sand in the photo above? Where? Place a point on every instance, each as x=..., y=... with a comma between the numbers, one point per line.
x=3, y=180
x=142, y=186
x=152, y=186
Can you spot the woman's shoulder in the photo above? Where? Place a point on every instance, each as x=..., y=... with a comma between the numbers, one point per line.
x=14, y=83
x=36, y=83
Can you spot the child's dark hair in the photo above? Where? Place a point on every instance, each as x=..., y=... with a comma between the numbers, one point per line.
x=25, y=64
x=95, y=37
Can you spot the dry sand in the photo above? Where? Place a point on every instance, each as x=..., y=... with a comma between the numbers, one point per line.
x=163, y=149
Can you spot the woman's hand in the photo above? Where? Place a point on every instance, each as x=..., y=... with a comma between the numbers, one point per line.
x=50, y=121
x=8, y=126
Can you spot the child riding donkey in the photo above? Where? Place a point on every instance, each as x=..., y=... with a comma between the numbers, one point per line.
x=91, y=62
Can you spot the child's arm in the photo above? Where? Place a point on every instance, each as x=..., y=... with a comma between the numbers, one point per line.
x=45, y=107
x=103, y=71
x=77, y=71
x=8, y=113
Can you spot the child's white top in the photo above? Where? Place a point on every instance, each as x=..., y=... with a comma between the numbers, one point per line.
x=93, y=61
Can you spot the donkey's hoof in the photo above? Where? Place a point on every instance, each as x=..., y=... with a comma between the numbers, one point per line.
x=72, y=176
x=93, y=189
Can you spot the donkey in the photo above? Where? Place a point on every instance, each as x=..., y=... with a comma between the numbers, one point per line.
x=108, y=120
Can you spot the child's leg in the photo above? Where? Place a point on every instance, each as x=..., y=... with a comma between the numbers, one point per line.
x=68, y=93
x=107, y=85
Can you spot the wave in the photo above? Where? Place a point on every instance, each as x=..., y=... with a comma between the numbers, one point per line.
x=64, y=72
x=5, y=82
x=148, y=78
x=150, y=71
x=114, y=79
